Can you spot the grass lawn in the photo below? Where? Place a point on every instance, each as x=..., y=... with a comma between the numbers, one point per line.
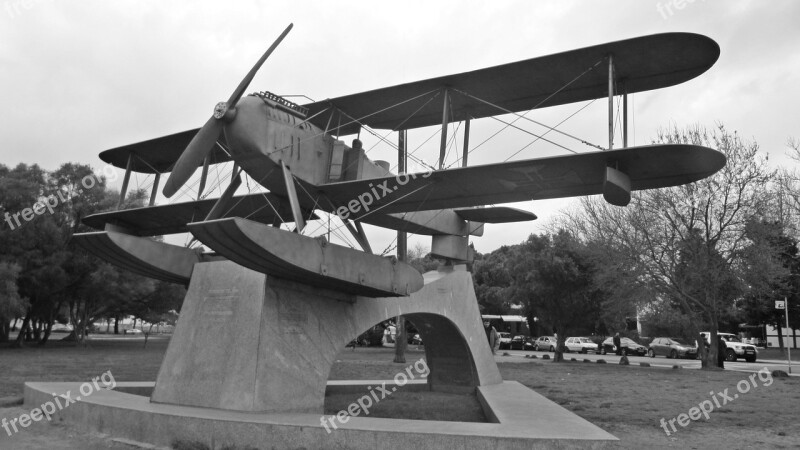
x=777, y=354
x=629, y=402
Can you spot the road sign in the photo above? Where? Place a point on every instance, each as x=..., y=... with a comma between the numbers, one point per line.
x=780, y=304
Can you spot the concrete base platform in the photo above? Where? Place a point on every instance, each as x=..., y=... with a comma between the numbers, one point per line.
x=522, y=419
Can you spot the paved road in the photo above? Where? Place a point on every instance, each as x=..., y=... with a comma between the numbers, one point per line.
x=659, y=361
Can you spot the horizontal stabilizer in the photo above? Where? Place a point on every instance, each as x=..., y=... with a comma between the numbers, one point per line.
x=495, y=214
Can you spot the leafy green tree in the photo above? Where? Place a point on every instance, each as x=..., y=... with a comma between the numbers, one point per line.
x=554, y=277
x=492, y=281
x=420, y=258
x=41, y=213
x=11, y=304
x=158, y=306
x=773, y=249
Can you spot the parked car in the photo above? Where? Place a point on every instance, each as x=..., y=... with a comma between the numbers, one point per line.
x=414, y=339
x=545, y=343
x=59, y=327
x=580, y=345
x=671, y=348
x=629, y=347
x=131, y=331
x=520, y=342
x=735, y=348
x=505, y=340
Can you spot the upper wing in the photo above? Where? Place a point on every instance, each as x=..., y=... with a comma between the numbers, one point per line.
x=170, y=219
x=642, y=64
x=648, y=167
x=159, y=154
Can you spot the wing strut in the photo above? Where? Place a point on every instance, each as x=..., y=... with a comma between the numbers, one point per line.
x=358, y=233
x=219, y=208
x=445, y=120
x=124, y=191
x=291, y=192
x=154, y=190
x=610, y=101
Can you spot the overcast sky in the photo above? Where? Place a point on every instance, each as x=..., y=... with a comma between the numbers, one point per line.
x=82, y=77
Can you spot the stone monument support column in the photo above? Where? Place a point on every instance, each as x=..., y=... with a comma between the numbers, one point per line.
x=246, y=341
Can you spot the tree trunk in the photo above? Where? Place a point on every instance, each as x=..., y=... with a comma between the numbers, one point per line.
x=116, y=325
x=5, y=330
x=20, y=341
x=558, y=356
x=48, y=328
x=147, y=333
x=702, y=351
x=37, y=330
x=400, y=341
x=780, y=336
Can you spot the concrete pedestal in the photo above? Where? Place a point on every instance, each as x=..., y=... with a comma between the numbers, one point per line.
x=249, y=342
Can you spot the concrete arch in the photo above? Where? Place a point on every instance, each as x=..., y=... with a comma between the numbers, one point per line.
x=249, y=342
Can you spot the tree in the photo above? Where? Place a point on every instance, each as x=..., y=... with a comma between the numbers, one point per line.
x=420, y=258
x=42, y=211
x=554, y=278
x=771, y=247
x=492, y=281
x=158, y=305
x=686, y=243
x=11, y=304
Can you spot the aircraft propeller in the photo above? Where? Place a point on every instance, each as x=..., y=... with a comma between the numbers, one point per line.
x=205, y=139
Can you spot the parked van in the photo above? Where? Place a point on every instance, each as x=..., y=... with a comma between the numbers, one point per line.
x=735, y=348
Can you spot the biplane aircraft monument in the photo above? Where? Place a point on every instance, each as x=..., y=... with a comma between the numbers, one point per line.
x=268, y=308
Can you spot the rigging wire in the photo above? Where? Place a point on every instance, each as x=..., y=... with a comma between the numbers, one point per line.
x=538, y=104
x=557, y=125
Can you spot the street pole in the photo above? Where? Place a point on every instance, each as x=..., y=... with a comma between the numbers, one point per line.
x=788, y=346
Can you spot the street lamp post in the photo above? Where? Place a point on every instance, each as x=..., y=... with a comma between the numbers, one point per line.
x=788, y=347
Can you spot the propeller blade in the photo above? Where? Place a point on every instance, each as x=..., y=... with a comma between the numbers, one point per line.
x=237, y=94
x=201, y=145
x=203, y=142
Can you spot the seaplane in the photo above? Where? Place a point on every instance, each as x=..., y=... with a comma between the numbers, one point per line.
x=297, y=154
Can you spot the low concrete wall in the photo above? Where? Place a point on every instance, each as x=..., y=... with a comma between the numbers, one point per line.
x=527, y=421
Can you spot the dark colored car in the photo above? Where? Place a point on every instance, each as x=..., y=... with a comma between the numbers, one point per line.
x=521, y=342
x=629, y=347
x=671, y=348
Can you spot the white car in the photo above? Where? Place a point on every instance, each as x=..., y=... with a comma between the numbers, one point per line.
x=545, y=343
x=580, y=345
x=505, y=340
x=735, y=348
